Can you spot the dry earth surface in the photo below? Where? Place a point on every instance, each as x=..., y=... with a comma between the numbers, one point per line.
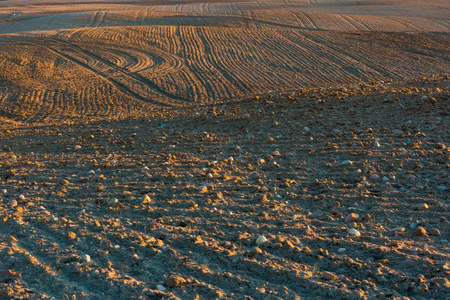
x=224, y=150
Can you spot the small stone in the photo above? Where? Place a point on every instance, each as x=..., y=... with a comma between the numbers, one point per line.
x=385, y=178
x=86, y=258
x=351, y=218
x=420, y=231
x=13, y=203
x=146, y=199
x=260, y=161
x=399, y=229
x=174, y=281
x=77, y=147
x=276, y=246
x=160, y=288
x=408, y=263
x=374, y=176
x=329, y=276
x=423, y=206
x=261, y=240
x=435, y=232
x=420, y=289
x=397, y=132
x=354, y=232
x=441, y=187
x=414, y=189
x=341, y=250
x=113, y=201
x=346, y=163
x=71, y=235
x=64, y=182
x=254, y=251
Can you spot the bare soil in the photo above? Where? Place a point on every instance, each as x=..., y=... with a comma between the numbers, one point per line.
x=287, y=167
x=224, y=150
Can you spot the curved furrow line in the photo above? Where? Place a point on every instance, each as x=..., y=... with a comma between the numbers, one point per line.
x=122, y=87
x=122, y=76
x=225, y=61
x=214, y=58
x=197, y=62
x=336, y=56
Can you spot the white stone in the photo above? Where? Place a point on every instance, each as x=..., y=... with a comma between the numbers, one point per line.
x=261, y=239
x=354, y=232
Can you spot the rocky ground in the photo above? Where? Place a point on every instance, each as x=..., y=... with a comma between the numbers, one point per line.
x=336, y=193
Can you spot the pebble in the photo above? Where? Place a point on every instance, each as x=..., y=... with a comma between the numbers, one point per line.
x=254, y=251
x=261, y=240
x=414, y=189
x=329, y=275
x=113, y=201
x=346, y=163
x=420, y=231
x=340, y=250
x=13, y=203
x=71, y=235
x=146, y=199
x=354, y=232
x=441, y=187
x=86, y=258
x=399, y=229
x=260, y=161
x=423, y=206
x=174, y=281
x=408, y=263
x=374, y=176
x=77, y=147
x=351, y=218
x=435, y=232
x=160, y=288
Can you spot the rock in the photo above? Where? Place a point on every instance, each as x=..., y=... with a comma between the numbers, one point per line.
x=146, y=199
x=254, y=251
x=423, y=206
x=77, y=147
x=260, y=161
x=435, y=232
x=399, y=229
x=351, y=218
x=414, y=189
x=261, y=240
x=86, y=258
x=397, y=132
x=174, y=281
x=420, y=231
x=408, y=263
x=113, y=201
x=374, y=176
x=64, y=182
x=71, y=235
x=420, y=289
x=329, y=276
x=341, y=250
x=346, y=163
x=354, y=232
x=276, y=246
x=160, y=288
x=441, y=187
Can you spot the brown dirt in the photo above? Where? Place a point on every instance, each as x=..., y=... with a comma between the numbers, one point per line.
x=286, y=166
